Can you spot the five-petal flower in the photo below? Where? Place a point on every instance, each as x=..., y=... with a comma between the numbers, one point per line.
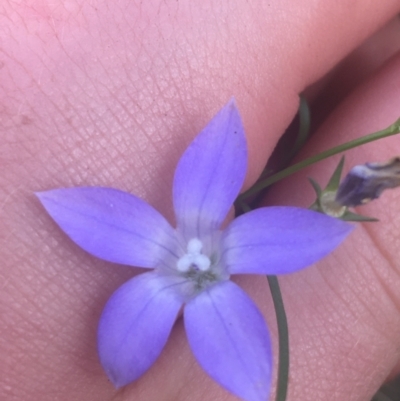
x=193, y=262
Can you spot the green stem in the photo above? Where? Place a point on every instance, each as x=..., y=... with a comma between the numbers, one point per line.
x=283, y=335
x=391, y=130
x=304, y=129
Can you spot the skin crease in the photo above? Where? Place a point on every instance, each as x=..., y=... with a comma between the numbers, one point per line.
x=98, y=95
x=353, y=70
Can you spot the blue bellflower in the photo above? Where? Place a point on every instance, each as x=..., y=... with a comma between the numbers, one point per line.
x=192, y=262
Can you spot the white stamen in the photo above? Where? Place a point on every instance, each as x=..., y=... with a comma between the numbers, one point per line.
x=193, y=257
x=184, y=263
x=194, y=246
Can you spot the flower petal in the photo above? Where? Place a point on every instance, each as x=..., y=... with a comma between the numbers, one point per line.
x=210, y=174
x=230, y=339
x=135, y=326
x=111, y=224
x=277, y=240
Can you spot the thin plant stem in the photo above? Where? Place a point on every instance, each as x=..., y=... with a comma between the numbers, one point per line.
x=283, y=334
x=391, y=130
x=283, y=331
x=304, y=125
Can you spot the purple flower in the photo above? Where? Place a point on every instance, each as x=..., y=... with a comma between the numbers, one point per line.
x=192, y=262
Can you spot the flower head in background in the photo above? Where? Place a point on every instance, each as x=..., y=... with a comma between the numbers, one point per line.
x=192, y=262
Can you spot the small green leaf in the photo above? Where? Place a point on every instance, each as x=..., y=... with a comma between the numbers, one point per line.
x=350, y=216
x=334, y=182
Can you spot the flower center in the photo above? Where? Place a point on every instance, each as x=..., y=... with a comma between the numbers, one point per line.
x=193, y=259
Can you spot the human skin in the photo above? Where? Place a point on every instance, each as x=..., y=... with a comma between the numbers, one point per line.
x=94, y=94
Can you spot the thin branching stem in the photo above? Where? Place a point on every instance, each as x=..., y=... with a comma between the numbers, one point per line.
x=283, y=335
x=391, y=130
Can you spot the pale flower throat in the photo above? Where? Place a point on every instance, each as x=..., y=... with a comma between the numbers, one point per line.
x=200, y=270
